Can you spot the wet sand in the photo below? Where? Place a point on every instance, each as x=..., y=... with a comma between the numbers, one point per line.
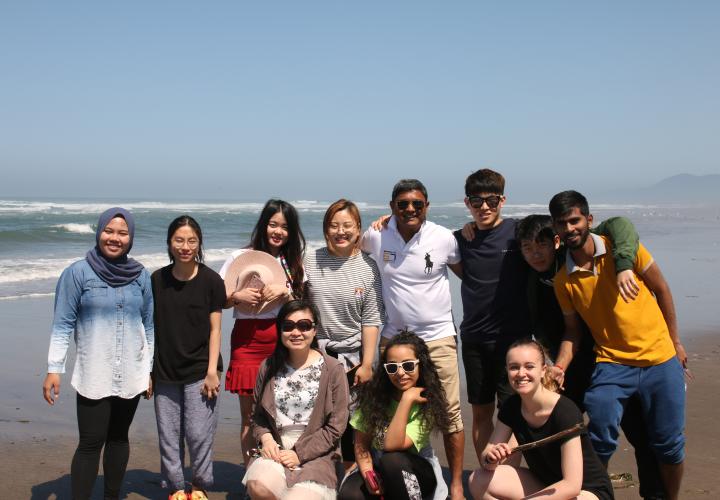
x=38, y=440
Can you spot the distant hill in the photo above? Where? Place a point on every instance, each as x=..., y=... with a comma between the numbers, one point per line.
x=681, y=188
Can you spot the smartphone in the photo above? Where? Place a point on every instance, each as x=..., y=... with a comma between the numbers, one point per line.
x=372, y=479
x=351, y=375
x=254, y=282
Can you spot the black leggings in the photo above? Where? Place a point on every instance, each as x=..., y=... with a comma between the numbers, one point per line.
x=404, y=476
x=102, y=422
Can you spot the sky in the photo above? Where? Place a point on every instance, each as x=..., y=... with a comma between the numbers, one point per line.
x=240, y=100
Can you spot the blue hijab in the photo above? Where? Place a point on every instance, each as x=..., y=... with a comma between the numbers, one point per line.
x=120, y=271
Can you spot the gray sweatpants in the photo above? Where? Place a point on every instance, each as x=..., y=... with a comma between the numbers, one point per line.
x=184, y=414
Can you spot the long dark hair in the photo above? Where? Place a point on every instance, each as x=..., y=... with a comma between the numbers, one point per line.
x=185, y=220
x=376, y=396
x=293, y=250
x=278, y=359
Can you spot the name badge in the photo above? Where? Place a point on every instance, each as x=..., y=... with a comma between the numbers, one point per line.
x=388, y=256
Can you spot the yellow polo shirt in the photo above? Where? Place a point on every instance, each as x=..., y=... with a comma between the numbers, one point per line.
x=633, y=333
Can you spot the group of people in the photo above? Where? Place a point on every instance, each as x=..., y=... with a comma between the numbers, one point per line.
x=343, y=380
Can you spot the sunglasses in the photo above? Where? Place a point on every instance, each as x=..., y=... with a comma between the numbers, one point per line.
x=477, y=201
x=407, y=366
x=303, y=325
x=403, y=204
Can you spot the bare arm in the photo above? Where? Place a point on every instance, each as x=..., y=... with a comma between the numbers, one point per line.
x=568, y=347
x=655, y=281
x=497, y=448
x=211, y=386
x=571, y=462
x=457, y=269
x=369, y=347
x=363, y=456
x=396, y=438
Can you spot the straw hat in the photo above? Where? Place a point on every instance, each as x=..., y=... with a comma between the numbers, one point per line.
x=245, y=271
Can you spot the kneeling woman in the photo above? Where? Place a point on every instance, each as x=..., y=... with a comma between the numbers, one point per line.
x=397, y=411
x=301, y=410
x=565, y=468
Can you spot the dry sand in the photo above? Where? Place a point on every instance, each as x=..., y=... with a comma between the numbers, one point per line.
x=38, y=441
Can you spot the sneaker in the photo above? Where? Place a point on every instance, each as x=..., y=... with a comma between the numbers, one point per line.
x=179, y=495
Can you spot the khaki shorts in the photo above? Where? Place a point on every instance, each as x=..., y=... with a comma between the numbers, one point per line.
x=443, y=353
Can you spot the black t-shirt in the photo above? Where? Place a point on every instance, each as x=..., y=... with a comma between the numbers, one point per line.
x=493, y=286
x=544, y=461
x=182, y=323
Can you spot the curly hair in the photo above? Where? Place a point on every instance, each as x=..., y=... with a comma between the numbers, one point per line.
x=376, y=396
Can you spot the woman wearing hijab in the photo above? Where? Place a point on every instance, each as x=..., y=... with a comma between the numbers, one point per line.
x=105, y=302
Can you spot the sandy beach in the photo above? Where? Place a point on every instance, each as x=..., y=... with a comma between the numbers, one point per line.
x=38, y=441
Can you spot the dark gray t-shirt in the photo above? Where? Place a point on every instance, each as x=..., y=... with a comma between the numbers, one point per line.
x=493, y=286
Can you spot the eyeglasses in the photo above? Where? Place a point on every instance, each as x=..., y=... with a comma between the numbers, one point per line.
x=304, y=325
x=403, y=204
x=407, y=366
x=492, y=201
x=347, y=227
x=191, y=243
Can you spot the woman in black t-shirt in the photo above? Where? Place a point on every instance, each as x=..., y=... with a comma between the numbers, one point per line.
x=565, y=468
x=189, y=298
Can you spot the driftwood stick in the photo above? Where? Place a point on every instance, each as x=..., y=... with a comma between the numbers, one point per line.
x=575, y=429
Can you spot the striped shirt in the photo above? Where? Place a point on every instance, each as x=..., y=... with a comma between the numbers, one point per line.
x=348, y=293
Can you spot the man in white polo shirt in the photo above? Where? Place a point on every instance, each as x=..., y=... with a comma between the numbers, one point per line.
x=413, y=256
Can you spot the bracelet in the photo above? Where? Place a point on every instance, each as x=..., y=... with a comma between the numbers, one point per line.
x=560, y=367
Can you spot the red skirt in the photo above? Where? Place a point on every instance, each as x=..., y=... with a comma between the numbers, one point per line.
x=252, y=341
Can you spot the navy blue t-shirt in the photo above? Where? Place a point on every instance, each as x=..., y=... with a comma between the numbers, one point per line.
x=493, y=286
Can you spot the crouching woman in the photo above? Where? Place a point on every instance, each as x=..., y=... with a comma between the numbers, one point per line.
x=301, y=410
x=564, y=468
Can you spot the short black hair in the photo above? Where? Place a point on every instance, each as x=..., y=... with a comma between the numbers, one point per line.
x=535, y=227
x=185, y=220
x=564, y=202
x=484, y=181
x=405, y=185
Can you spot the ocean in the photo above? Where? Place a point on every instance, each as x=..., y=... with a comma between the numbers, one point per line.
x=38, y=239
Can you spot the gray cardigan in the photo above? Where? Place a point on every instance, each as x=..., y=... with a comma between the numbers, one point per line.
x=318, y=446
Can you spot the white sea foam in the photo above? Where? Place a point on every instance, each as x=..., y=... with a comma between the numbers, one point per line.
x=60, y=207
x=26, y=270
x=76, y=228
x=28, y=296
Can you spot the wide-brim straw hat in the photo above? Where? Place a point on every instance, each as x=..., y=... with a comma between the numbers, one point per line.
x=254, y=263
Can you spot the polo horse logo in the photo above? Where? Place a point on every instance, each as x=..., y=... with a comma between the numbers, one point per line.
x=428, y=264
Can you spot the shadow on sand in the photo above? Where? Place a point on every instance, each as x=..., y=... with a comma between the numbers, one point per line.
x=146, y=484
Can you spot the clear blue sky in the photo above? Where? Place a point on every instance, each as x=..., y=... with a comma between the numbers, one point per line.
x=317, y=100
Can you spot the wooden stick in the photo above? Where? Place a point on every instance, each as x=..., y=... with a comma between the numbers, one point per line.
x=575, y=429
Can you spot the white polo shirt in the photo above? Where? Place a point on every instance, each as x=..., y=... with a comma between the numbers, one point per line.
x=415, y=284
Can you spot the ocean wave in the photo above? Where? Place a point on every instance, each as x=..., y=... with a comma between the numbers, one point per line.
x=61, y=207
x=25, y=270
x=28, y=296
x=76, y=228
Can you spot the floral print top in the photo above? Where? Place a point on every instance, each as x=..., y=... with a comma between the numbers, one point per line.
x=295, y=394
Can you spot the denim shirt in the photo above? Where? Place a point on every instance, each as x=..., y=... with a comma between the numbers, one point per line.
x=113, y=330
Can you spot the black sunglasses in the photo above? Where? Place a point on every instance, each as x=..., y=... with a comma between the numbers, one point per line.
x=403, y=204
x=304, y=325
x=407, y=366
x=477, y=201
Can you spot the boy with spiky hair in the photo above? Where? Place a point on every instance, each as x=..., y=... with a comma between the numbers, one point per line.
x=495, y=311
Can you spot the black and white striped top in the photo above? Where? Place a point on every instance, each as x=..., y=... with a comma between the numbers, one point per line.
x=348, y=293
